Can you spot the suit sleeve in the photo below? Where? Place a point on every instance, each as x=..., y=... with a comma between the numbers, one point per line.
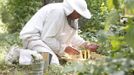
x=31, y=32
x=77, y=40
x=55, y=20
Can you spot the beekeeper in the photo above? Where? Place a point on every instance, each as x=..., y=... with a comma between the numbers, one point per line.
x=54, y=28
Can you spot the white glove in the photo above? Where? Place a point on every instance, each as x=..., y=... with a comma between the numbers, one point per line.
x=28, y=56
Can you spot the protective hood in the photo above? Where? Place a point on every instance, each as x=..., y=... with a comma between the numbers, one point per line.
x=78, y=5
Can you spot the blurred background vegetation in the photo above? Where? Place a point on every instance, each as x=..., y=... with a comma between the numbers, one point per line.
x=111, y=26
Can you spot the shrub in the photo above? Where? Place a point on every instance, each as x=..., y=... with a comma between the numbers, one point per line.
x=17, y=12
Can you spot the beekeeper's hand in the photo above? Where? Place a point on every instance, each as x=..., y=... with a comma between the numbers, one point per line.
x=71, y=51
x=91, y=46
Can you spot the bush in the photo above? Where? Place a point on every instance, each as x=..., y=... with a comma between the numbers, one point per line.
x=98, y=11
x=119, y=66
x=17, y=12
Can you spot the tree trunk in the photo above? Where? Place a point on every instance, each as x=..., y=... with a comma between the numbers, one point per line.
x=51, y=1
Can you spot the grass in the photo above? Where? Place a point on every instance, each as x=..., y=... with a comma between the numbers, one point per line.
x=6, y=41
x=3, y=44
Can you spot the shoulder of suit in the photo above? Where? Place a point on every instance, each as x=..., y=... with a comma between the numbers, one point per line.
x=53, y=7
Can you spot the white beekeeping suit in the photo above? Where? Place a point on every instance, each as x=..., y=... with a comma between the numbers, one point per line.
x=50, y=31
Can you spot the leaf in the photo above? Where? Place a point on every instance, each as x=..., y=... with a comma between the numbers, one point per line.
x=115, y=44
x=111, y=19
x=116, y=4
x=130, y=34
x=110, y=4
x=129, y=4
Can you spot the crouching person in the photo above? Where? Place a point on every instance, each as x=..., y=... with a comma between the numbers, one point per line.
x=54, y=29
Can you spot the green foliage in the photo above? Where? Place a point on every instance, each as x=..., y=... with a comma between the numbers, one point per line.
x=110, y=4
x=129, y=4
x=10, y=39
x=6, y=41
x=111, y=34
x=117, y=66
x=95, y=23
x=112, y=18
x=54, y=70
x=113, y=4
x=18, y=12
x=130, y=33
x=116, y=4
